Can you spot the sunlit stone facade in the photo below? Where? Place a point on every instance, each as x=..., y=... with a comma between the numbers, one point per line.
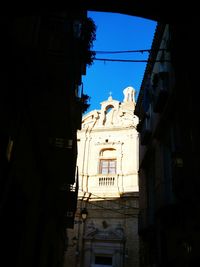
x=108, y=186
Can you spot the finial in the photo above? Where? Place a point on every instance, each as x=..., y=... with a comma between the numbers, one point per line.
x=110, y=96
x=129, y=93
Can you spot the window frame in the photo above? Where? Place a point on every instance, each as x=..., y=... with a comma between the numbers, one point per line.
x=108, y=170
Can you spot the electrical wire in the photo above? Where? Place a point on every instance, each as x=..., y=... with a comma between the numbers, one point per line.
x=123, y=52
x=130, y=60
x=113, y=210
x=129, y=51
x=114, y=201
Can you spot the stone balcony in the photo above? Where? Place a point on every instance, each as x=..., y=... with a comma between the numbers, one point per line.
x=111, y=185
x=106, y=184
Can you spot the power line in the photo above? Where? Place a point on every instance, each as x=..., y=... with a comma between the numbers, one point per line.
x=122, y=52
x=130, y=60
x=129, y=51
x=114, y=201
x=113, y=210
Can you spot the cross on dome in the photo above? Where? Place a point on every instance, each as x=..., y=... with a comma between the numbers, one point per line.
x=110, y=96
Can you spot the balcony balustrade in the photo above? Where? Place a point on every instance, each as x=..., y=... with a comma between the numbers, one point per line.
x=106, y=181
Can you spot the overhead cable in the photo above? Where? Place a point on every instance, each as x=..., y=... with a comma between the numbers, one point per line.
x=130, y=60
x=112, y=210
x=129, y=51
x=108, y=199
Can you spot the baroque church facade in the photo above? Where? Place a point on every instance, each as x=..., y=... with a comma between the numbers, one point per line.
x=108, y=187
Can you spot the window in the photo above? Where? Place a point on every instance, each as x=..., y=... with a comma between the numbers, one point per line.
x=107, y=161
x=107, y=166
x=109, y=108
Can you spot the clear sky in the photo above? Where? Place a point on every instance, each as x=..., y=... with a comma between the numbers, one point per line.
x=117, y=32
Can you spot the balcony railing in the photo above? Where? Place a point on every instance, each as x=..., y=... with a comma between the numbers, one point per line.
x=107, y=181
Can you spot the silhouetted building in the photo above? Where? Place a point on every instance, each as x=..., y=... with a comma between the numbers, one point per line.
x=168, y=170
x=40, y=112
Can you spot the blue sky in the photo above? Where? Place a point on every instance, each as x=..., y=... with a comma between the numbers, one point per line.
x=117, y=32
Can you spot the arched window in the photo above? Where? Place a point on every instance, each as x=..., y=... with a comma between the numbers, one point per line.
x=107, y=162
x=108, y=109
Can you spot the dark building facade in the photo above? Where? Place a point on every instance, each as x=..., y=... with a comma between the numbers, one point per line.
x=43, y=56
x=169, y=144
